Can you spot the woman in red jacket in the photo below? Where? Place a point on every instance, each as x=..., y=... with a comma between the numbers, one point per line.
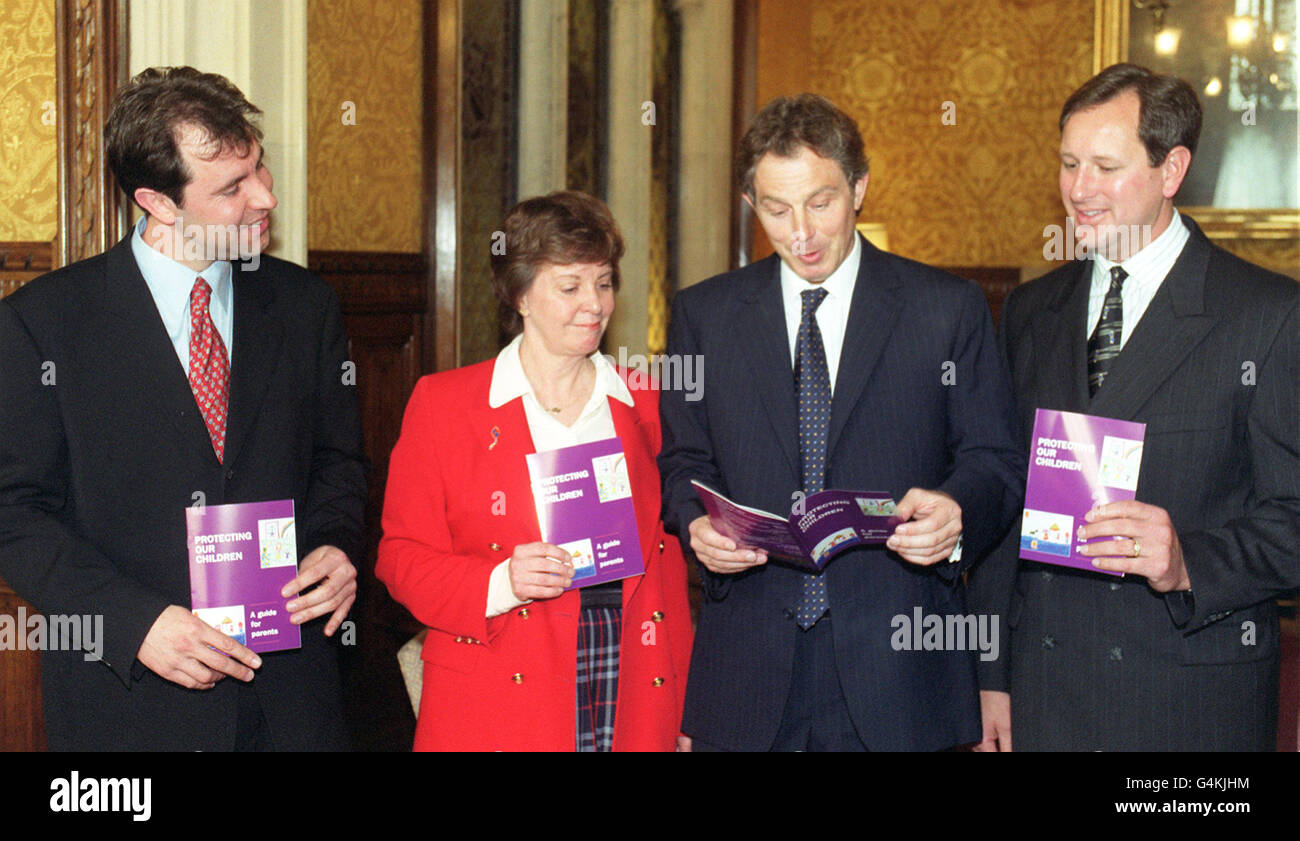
x=513, y=659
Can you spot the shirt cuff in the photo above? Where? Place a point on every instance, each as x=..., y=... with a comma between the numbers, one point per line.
x=501, y=596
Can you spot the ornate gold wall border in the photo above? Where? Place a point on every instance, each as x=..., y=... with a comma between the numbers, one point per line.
x=1246, y=224
x=90, y=43
x=1110, y=34
x=1111, y=45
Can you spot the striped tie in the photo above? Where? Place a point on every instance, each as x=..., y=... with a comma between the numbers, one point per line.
x=1103, y=347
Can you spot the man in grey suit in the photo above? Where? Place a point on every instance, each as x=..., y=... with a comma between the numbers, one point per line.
x=1161, y=327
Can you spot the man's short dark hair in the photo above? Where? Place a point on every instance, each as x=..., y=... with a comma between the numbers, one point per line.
x=1169, y=113
x=149, y=113
x=559, y=228
x=788, y=122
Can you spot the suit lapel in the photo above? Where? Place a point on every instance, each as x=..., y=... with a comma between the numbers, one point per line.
x=504, y=434
x=257, y=337
x=1173, y=324
x=156, y=376
x=1063, y=361
x=766, y=343
x=873, y=312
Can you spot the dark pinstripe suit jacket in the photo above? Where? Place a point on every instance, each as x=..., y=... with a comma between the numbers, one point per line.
x=896, y=423
x=1102, y=664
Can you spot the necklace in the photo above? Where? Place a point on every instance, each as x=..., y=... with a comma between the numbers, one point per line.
x=555, y=410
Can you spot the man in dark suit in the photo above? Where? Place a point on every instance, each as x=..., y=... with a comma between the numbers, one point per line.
x=834, y=364
x=157, y=376
x=1163, y=328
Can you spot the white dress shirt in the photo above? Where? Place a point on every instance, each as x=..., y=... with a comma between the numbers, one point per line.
x=1146, y=269
x=594, y=423
x=170, y=284
x=833, y=314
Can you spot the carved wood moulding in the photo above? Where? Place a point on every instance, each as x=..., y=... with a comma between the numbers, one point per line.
x=91, y=45
x=23, y=261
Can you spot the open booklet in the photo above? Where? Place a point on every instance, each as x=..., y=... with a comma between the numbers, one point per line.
x=832, y=522
x=1075, y=462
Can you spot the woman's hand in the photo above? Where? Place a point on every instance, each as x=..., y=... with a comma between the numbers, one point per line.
x=539, y=571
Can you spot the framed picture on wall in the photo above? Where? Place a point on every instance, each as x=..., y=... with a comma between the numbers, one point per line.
x=1241, y=57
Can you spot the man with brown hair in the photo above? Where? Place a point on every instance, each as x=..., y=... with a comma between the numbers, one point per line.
x=833, y=364
x=1161, y=327
x=157, y=376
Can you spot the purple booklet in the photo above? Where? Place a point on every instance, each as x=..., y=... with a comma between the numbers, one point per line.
x=240, y=557
x=831, y=522
x=1075, y=462
x=584, y=506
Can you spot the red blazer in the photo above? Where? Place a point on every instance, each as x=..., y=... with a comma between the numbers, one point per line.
x=458, y=502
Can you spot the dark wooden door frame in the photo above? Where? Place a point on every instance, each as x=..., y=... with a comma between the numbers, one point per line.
x=441, y=151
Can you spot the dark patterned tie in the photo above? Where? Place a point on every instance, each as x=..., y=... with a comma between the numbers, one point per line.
x=1103, y=347
x=812, y=385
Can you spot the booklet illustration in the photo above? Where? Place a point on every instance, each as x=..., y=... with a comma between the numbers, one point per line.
x=1076, y=461
x=833, y=521
x=584, y=505
x=240, y=557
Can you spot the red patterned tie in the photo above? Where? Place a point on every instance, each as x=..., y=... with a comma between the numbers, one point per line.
x=209, y=367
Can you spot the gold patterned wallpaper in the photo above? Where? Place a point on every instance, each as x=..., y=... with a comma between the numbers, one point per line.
x=28, y=136
x=957, y=102
x=364, y=71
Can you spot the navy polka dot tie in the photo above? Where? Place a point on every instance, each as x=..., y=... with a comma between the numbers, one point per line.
x=812, y=384
x=1103, y=347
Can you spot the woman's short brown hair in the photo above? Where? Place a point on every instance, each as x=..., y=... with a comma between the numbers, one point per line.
x=558, y=228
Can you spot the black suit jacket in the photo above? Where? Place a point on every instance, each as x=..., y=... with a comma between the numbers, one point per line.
x=102, y=448
x=1097, y=663
x=897, y=422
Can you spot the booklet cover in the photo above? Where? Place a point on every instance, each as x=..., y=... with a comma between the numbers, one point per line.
x=584, y=506
x=240, y=557
x=1075, y=462
x=833, y=521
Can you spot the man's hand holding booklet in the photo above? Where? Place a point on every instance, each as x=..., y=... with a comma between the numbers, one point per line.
x=824, y=524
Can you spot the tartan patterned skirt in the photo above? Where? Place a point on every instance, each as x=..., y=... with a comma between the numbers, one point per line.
x=597, y=685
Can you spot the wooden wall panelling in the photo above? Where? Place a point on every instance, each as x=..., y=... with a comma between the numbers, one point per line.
x=995, y=281
x=383, y=298
x=22, y=722
x=23, y=261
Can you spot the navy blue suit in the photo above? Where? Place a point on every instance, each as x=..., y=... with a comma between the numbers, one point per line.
x=921, y=400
